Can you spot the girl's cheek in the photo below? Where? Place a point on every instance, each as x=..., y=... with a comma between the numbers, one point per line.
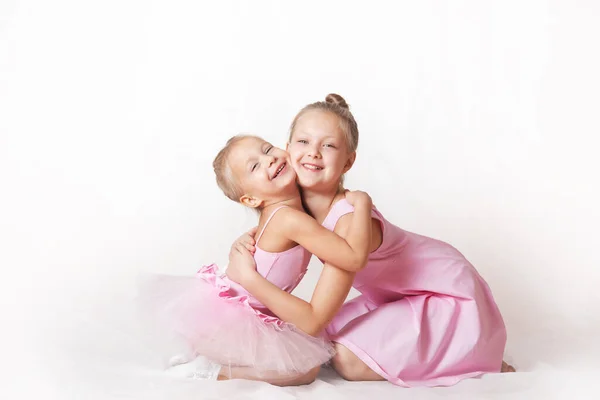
x=293, y=153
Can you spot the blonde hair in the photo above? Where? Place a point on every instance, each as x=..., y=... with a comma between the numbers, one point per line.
x=335, y=104
x=225, y=178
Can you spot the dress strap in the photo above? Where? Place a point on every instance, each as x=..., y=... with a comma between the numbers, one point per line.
x=267, y=223
x=342, y=208
x=339, y=209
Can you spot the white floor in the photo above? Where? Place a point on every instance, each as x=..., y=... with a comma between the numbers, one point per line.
x=94, y=360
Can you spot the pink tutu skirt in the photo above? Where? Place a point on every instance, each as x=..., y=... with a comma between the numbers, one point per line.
x=207, y=319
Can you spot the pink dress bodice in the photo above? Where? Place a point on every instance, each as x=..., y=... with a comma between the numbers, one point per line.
x=284, y=269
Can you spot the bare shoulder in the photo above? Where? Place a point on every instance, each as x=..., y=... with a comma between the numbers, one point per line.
x=343, y=224
x=275, y=237
x=290, y=218
x=289, y=214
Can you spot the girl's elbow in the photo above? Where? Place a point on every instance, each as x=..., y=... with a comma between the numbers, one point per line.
x=363, y=262
x=314, y=328
x=359, y=263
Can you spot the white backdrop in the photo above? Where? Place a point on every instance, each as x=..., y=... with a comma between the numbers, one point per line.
x=478, y=120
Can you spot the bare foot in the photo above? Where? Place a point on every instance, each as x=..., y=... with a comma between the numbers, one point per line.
x=507, y=368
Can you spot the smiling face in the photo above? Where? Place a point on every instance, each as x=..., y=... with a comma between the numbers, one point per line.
x=318, y=151
x=263, y=172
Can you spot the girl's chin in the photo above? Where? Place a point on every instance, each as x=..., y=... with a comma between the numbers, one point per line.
x=310, y=184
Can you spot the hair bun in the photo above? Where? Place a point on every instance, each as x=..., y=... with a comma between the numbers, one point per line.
x=336, y=99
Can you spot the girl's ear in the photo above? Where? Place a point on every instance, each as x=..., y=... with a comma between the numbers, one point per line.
x=350, y=162
x=250, y=201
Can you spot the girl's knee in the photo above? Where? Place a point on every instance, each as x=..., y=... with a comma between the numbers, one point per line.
x=347, y=364
x=310, y=377
x=305, y=379
x=350, y=367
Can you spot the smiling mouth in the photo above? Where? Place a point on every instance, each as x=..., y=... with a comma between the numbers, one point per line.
x=281, y=167
x=312, y=167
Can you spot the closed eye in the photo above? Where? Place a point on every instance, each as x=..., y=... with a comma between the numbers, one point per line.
x=268, y=150
x=254, y=167
x=303, y=141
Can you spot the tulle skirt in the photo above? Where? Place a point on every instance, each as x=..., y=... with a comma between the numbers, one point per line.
x=200, y=315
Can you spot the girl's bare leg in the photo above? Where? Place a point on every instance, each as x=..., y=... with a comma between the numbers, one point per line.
x=272, y=378
x=352, y=368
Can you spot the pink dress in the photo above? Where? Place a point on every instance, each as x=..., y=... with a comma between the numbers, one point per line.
x=425, y=317
x=216, y=318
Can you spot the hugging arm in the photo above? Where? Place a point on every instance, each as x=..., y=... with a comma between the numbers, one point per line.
x=350, y=252
x=311, y=317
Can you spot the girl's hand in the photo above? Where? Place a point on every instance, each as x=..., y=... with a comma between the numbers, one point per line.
x=246, y=240
x=357, y=197
x=241, y=264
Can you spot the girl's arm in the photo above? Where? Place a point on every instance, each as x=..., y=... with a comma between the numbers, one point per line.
x=311, y=317
x=350, y=254
x=332, y=289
